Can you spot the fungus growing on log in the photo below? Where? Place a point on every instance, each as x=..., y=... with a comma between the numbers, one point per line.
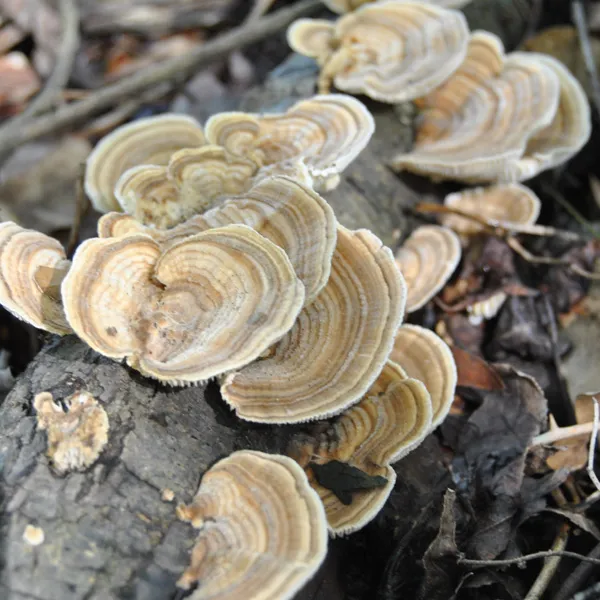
x=208, y=304
x=510, y=204
x=77, y=435
x=286, y=212
x=344, y=6
x=327, y=132
x=391, y=420
x=425, y=356
x=145, y=141
x=338, y=345
x=389, y=51
x=478, y=132
x=193, y=181
x=568, y=132
x=427, y=260
x=32, y=266
x=263, y=531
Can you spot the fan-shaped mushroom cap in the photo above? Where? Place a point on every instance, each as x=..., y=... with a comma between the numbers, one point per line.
x=338, y=345
x=263, y=531
x=391, y=420
x=426, y=357
x=427, y=260
x=146, y=141
x=283, y=210
x=566, y=135
x=194, y=180
x=32, y=266
x=509, y=204
x=327, y=132
x=483, y=139
x=344, y=6
x=208, y=304
x=484, y=61
x=390, y=51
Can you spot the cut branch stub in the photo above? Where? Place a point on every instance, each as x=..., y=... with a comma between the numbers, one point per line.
x=390, y=51
x=391, y=420
x=146, y=141
x=206, y=305
x=283, y=210
x=426, y=357
x=263, y=531
x=338, y=345
x=427, y=260
x=32, y=266
x=326, y=132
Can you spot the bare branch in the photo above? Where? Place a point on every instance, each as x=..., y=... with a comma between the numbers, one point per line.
x=175, y=68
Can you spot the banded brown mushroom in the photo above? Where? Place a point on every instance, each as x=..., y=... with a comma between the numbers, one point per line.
x=481, y=136
x=392, y=419
x=263, y=532
x=510, y=204
x=283, y=210
x=425, y=356
x=338, y=345
x=208, y=304
x=151, y=140
x=32, y=267
x=427, y=260
x=389, y=51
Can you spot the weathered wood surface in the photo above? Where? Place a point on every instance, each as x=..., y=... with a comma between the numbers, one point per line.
x=108, y=533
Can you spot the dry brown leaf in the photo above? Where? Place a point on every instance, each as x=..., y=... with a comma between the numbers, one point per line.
x=18, y=80
x=475, y=372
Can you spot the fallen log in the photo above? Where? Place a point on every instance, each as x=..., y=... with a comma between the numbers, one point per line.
x=108, y=531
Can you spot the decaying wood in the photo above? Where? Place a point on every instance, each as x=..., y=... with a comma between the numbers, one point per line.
x=108, y=532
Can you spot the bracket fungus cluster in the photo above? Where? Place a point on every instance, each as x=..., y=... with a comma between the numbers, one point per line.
x=210, y=303
x=499, y=118
x=406, y=402
x=32, y=266
x=344, y=6
x=390, y=51
x=218, y=258
x=263, y=531
x=512, y=205
x=283, y=210
x=163, y=178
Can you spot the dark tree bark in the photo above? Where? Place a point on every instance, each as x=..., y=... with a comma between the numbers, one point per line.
x=108, y=533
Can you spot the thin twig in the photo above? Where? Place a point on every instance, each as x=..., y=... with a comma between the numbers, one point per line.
x=578, y=15
x=548, y=260
x=508, y=562
x=107, y=122
x=592, y=450
x=259, y=8
x=550, y=565
x=81, y=206
x=169, y=70
x=573, y=582
x=500, y=228
x=47, y=98
x=562, y=433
